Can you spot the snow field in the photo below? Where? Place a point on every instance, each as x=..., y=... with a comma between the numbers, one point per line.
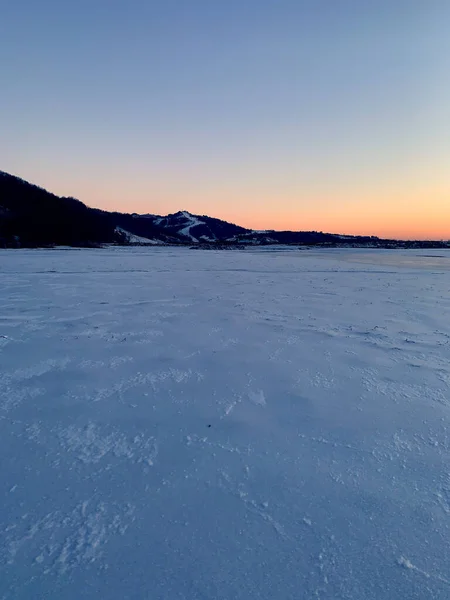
x=180, y=424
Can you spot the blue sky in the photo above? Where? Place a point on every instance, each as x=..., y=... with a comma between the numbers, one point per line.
x=309, y=114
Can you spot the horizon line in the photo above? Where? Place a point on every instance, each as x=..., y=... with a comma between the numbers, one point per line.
x=259, y=230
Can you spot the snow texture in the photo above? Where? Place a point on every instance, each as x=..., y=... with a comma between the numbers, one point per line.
x=136, y=239
x=192, y=222
x=240, y=425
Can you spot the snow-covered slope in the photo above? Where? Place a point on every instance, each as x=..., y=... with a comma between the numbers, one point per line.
x=136, y=239
x=194, y=228
x=192, y=222
x=240, y=425
x=31, y=217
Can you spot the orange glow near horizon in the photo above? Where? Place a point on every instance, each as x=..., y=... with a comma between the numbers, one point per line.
x=411, y=219
x=407, y=231
x=395, y=219
x=417, y=229
x=387, y=211
x=399, y=216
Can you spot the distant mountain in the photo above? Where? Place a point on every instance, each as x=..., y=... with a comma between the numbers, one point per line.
x=195, y=228
x=31, y=216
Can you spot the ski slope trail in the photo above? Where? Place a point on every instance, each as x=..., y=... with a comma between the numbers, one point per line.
x=192, y=222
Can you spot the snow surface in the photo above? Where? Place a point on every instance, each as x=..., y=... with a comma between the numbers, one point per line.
x=240, y=425
x=192, y=222
x=137, y=239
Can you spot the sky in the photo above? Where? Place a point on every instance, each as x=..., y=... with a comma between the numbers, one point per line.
x=328, y=115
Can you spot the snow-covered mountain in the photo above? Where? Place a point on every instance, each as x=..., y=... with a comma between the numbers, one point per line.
x=131, y=238
x=31, y=216
x=195, y=228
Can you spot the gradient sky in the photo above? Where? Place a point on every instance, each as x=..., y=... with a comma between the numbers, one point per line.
x=330, y=115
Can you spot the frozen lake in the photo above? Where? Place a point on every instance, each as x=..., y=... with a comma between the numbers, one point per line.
x=186, y=424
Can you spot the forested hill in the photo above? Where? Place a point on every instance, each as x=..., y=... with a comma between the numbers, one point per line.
x=30, y=216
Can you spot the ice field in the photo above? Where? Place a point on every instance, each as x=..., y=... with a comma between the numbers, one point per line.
x=199, y=425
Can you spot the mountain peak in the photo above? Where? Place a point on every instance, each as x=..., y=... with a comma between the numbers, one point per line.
x=31, y=216
x=183, y=213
